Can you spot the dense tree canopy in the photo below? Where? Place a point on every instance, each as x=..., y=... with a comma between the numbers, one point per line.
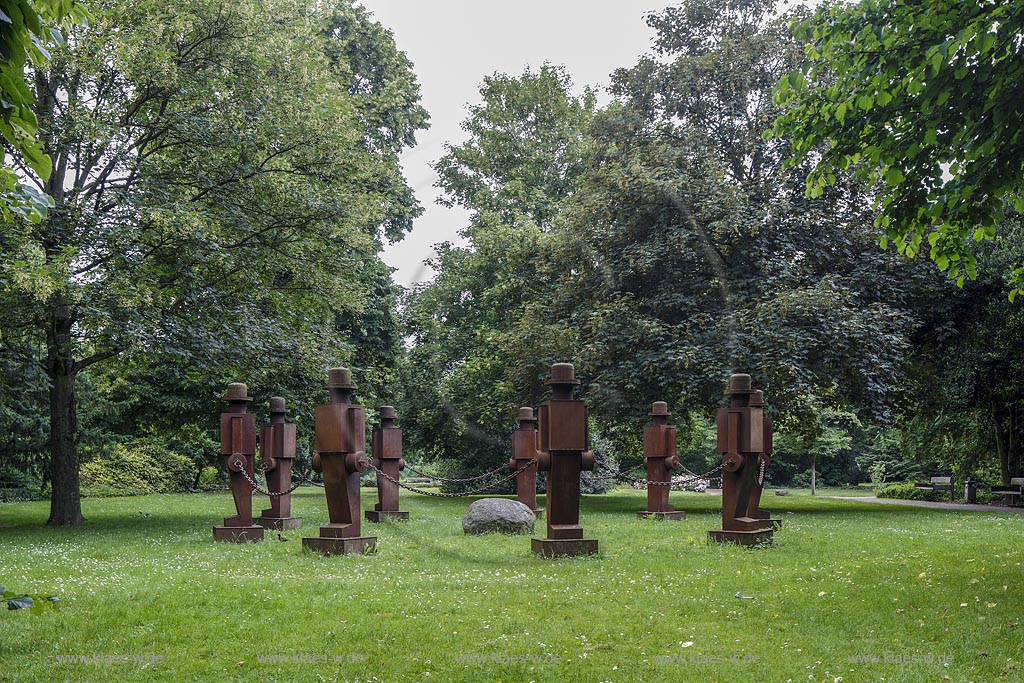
x=222, y=186
x=479, y=342
x=26, y=28
x=922, y=101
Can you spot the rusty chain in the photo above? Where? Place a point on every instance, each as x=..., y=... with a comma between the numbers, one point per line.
x=674, y=481
x=275, y=494
x=437, y=494
x=455, y=480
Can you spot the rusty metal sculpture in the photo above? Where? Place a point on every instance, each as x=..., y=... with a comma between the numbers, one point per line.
x=341, y=444
x=238, y=446
x=386, y=446
x=741, y=440
x=764, y=461
x=277, y=451
x=563, y=454
x=660, y=459
x=524, y=450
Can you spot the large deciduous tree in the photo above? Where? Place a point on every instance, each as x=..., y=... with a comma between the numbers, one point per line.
x=690, y=253
x=222, y=184
x=477, y=349
x=921, y=100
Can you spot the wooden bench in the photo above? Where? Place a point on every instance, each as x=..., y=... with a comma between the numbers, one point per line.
x=937, y=484
x=1011, y=491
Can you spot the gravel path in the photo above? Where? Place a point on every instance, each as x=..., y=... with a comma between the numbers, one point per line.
x=929, y=504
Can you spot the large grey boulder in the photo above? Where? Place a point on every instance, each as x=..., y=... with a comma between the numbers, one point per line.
x=498, y=514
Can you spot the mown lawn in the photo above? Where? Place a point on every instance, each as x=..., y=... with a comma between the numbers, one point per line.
x=932, y=595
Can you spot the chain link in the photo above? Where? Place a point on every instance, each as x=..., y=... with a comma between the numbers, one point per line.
x=437, y=494
x=675, y=481
x=455, y=480
x=275, y=494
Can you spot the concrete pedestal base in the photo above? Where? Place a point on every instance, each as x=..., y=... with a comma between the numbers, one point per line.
x=564, y=547
x=279, y=523
x=381, y=515
x=341, y=546
x=676, y=515
x=752, y=537
x=238, y=534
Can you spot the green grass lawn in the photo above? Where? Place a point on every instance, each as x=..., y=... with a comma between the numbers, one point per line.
x=933, y=595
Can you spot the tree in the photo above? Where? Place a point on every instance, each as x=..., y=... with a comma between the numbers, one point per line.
x=479, y=346
x=694, y=254
x=922, y=101
x=221, y=184
x=966, y=398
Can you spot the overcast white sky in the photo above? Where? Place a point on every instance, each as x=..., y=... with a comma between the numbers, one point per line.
x=453, y=44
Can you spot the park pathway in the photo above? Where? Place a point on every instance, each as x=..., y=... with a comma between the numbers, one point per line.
x=929, y=504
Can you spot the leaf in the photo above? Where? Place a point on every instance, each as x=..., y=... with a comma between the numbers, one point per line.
x=22, y=602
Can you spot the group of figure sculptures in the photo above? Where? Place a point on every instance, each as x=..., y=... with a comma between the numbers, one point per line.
x=556, y=442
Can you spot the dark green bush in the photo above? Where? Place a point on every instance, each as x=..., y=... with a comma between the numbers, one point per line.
x=137, y=468
x=906, y=491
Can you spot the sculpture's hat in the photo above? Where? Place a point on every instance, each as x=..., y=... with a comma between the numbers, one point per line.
x=277, y=405
x=386, y=412
x=563, y=373
x=739, y=384
x=237, y=392
x=659, y=409
x=339, y=378
x=526, y=415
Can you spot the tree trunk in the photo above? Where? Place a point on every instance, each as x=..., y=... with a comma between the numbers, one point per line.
x=1013, y=443
x=65, y=496
x=1002, y=441
x=814, y=474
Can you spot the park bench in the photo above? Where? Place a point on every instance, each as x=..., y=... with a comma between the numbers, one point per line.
x=420, y=481
x=1011, y=491
x=937, y=484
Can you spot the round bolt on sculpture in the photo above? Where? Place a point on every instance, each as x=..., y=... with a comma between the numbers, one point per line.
x=660, y=458
x=277, y=451
x=387, y=457
x=562, y=452
x=743, y=432
x=238, y=446
x=524, y=450
x=340, y=428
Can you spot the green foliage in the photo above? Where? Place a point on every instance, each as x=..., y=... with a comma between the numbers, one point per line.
x=688, y=253
x=35, y=604
x=479, y=346
x=221, y=194
x=966, y=386
x=137, y=468
x=211, y=477
x=906, y=491
x=922, y=102
x=27, y=29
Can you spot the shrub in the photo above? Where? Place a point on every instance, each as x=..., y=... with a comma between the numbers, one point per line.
x=210, y=478
x=137, y=468
x=906, y=491
x=17, y=486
